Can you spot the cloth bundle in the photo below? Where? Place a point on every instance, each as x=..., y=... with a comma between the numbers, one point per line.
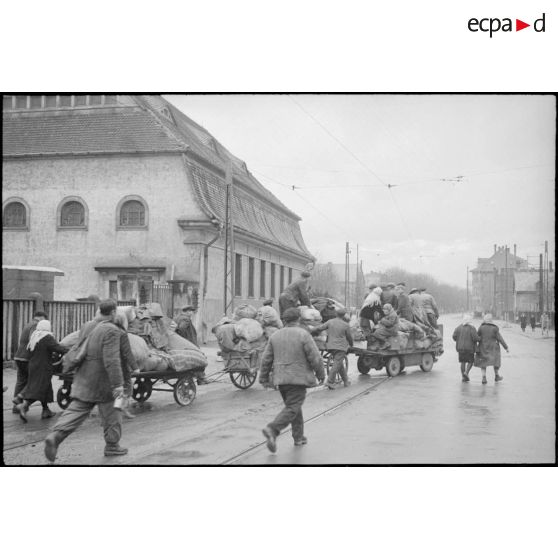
x=268, y=316
x=157, y=361
x=70, y=340
x=244, y=311
x=177, y=342
x=248, y=329
x=139, y=347
x=187, y=359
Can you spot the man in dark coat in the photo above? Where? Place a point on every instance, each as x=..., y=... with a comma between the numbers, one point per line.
x=296, y=363
x=97, y=381
x=185, y=327
x=295, y=293
x=466, y=339
x=388, y=295
x=22, y=357
x=339, y=339
x=488, y=352
x=403, y=303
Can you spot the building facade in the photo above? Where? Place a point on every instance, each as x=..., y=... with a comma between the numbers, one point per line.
x=125, y=194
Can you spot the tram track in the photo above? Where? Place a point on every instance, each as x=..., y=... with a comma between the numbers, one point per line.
x=251, y=449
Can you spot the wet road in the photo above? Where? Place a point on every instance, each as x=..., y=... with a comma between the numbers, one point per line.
x=414, y=418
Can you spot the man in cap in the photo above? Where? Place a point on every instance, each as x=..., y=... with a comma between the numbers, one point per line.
x=403, y=303
x=186, y=329
x=339, y=339
x=296, y=363
x=429, y=305
x=388, y=295
x=295, y=293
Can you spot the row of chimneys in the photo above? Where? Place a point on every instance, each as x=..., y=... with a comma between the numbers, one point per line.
x=500, y=248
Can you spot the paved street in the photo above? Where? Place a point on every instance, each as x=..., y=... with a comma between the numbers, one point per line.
x=416, y=417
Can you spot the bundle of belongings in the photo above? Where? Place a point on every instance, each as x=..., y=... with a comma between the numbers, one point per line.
x=154, y=343
x=396, y=334
x=247, y=329
x=310, y=318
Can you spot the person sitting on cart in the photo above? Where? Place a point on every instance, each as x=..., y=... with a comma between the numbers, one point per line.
x=403, y=303
x=371, y=310
x=388, y=327
x=339, y=339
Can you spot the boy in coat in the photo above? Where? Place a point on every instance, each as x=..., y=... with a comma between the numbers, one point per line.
x=296, y=363
x=466, y=339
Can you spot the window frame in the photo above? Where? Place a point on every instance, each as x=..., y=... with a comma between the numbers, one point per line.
x=263, y=278
x=251, y=277
x=27, y=225
x=272, y=282
x=238, y=275
x=70, y=199
x=119, y=207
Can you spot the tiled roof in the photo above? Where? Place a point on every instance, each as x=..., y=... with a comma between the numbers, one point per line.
x=250, y=215
x=200, y=143
x=94, y=131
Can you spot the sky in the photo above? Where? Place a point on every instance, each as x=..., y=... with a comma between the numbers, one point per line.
x=428, y=183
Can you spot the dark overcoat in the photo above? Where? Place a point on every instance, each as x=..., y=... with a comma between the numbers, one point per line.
x=489, y=346
x=101, y=371
x=39, y=384
x=466, y=338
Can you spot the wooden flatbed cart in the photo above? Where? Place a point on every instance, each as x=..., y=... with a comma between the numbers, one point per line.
x=241, y=366
x=181, y=384
x=395, y=361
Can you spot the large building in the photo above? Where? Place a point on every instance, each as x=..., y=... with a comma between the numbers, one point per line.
x=126, y=195
x=506, y=285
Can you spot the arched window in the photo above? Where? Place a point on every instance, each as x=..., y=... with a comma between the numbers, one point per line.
x=72, y=213
x=132, y=213
x=15, y=215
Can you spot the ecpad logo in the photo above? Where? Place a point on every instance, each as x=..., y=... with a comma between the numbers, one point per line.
x=493, y=25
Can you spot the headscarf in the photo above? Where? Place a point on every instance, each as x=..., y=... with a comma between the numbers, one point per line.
x=487, y=319
x=467, y=319
x=387, y=308
x=42, y=330
x=373, y=297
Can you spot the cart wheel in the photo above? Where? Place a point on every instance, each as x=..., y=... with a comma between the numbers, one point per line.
x=362, y=365
x=393, y=366
x=141, y=390
x=184, y=391
x=427, y=362
x=329, y=364
x=63, y=396
x=243, y=379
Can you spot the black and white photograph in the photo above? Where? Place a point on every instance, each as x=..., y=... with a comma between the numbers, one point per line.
x=278, y=279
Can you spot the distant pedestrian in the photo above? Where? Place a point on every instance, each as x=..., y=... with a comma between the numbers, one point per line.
x=296, y=363
x=545, y=323
x=185, y=326
x=533, y=321
x=22, y=356
x=466, y=339
x=523, y=322
x=339, y=339
x=97, y=381
x=44, y=351
x=295, y=293
x=488, y=352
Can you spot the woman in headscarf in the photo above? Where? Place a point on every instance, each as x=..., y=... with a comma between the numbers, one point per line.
x=371, y=311
x=488, y=353
x=466, y=339
x=44, y=352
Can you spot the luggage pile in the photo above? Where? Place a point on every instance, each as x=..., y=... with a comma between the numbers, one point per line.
x=311, y=318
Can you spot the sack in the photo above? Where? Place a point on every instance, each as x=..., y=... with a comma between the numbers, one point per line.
x=244, y=311
x=248, y=329
x=139, y=348
x=70, y=340
x=268, y=316
x=310, y=314
x=187, y=360
x=178, y=343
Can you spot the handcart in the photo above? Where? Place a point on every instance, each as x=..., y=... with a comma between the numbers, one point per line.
x=181, y=384
x=241, y=366
x=328, y=360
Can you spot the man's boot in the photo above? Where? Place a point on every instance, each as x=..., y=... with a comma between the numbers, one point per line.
x=112, y=450
x=52, y=441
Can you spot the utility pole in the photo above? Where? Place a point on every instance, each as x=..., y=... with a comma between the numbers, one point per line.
x=541, y=283
x=506, y=286
x=228, y=251
x=467, y=309
x=346, y=272
x=357, y=283
x=546, y=306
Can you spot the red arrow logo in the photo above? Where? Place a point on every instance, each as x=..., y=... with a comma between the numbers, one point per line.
x=519, y=25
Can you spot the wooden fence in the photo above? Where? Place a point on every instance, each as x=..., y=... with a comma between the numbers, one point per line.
x=15, y=315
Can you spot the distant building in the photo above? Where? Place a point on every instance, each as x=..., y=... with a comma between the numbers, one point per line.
x=505, y=285
x=126, y=195
x=329, y=279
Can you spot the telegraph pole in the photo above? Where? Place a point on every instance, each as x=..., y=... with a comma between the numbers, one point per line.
x=467, y=289
x=346, y=272
x=228, y=251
